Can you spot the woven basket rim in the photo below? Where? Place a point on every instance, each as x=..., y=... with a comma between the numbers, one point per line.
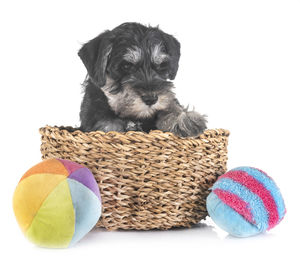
x=158, y=134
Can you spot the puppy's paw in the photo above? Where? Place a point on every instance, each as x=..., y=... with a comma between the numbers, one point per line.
x=189, y=123
x=134, y=126
x=186, y=124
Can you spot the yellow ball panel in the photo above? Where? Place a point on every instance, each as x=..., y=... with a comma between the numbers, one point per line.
x=30, y=194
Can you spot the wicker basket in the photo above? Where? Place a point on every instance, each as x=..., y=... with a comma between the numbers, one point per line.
x=147, y=181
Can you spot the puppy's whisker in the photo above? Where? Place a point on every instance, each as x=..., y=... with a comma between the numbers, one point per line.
x=127, y=81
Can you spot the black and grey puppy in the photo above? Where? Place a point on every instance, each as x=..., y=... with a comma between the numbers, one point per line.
x=128, y=83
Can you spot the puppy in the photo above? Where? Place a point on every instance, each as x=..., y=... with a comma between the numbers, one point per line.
x=128, y=84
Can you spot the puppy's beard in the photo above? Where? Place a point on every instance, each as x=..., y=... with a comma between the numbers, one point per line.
x=128, y=104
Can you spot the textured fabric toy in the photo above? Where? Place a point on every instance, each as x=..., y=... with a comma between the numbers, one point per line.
x=245, y=201
x=56, y=203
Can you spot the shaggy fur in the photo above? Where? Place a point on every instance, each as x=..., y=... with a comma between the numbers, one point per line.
x=128, y=84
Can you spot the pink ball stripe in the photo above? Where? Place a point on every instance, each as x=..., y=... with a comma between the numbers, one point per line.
x=236, y=203
x=257, y=188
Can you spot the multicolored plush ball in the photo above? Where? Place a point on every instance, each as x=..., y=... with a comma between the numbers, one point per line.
x=245, y=201
x=56, y=203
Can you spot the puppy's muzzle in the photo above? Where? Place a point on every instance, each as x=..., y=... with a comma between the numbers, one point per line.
x=149, y=99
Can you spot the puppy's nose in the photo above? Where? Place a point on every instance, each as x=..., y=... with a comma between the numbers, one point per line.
x=149, y=99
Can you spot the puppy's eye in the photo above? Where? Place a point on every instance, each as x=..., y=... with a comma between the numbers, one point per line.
x=126, y=66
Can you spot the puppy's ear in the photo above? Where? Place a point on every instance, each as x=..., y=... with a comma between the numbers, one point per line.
x=94, y=55
x=173, y=49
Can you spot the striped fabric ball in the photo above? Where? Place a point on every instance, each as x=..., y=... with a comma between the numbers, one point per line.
x=245, y=201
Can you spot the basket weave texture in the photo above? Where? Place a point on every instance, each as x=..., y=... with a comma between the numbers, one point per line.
x=146, y=181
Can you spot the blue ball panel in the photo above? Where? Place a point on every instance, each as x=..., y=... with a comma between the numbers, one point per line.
x=228, y=219
x=87, y=208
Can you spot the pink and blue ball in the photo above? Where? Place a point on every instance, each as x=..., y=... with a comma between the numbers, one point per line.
x=245, y=202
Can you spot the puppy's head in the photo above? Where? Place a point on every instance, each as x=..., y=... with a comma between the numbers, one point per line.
x=133, y=64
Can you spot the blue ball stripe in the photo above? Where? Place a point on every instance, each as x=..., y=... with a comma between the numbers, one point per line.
x=228, y=219
x=269, y=184
x=256, y=204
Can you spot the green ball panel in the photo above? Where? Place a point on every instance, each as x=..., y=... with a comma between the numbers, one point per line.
x=54, y=224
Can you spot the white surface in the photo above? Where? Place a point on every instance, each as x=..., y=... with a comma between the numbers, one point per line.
x=240, y=65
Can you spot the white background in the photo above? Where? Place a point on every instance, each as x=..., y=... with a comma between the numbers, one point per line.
x=240, y=65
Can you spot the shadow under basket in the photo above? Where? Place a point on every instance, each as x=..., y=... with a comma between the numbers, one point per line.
x=146, y=181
